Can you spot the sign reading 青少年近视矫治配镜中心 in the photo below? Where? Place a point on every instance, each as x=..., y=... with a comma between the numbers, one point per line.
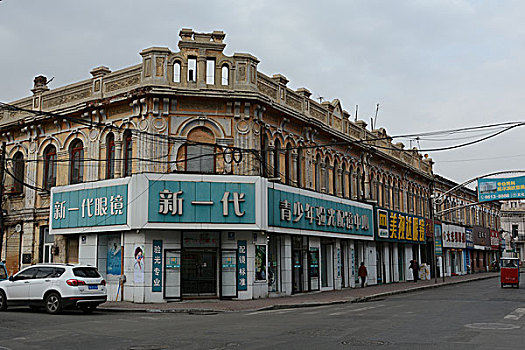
x=90, y=207
x=491, y=189
x=395, y=226
x=291, y=208
x=201, y=202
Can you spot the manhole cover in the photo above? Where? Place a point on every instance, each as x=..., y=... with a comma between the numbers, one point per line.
x=495, y=326
x=363, y=342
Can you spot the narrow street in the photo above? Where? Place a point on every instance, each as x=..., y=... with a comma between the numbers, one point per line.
x=475, y=315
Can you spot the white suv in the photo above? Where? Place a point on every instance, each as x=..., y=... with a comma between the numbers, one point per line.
x=55, y=287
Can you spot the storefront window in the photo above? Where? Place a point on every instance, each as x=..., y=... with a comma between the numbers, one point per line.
x=314, y=262
x=260, y=262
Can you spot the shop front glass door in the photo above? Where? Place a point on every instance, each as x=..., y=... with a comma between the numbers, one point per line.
x=297, y=271
x=199, y=273
x=172, y=274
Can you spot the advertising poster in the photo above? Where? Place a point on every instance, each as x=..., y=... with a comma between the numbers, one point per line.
x=114, y=255
x=138, y=266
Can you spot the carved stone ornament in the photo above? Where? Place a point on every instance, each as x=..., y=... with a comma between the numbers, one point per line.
x=243, y=127
x=159, y=124
x=93, y=134
x=32, y=147
x=143, y=124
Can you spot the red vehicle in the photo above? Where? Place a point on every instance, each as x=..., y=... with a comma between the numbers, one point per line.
x=510, y=272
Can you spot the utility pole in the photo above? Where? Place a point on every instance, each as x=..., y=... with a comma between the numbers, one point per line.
x=2, y=167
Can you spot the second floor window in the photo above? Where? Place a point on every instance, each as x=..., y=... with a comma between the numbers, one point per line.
x=200, y=151
x=18, y=169
x=50, y=167
x=128, y=154
x=110, y=156
x=76, y=157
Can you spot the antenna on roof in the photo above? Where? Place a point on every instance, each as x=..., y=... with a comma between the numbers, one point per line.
x=375, y=118
x=320, y=98
x=356, y=108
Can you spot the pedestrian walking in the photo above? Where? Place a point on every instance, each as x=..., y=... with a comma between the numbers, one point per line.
x=414, y=265
x=362, y=273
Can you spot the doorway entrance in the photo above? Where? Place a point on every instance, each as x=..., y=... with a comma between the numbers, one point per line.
x=199, y=272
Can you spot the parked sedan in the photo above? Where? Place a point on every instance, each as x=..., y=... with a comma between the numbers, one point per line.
x=54, y=287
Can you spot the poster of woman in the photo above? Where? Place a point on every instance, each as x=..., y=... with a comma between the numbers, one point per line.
x=138, y=272
x=114, y=255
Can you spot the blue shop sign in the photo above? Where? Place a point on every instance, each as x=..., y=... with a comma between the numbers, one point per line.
x=242, y=270
x=294, y=210
x=202, y=202
x=101, y=206
x=156, y=273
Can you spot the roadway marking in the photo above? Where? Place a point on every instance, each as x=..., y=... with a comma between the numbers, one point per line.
x=354, y=310
x=277, y=311
x=516, y=314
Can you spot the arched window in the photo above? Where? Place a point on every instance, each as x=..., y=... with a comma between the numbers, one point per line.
x=343, y=181
x=18, y=172
x=225, y=72
x=128, y=153
x=317, y=173
x=264, y=156
x=110, y=156
x=350, y=185
x=335, y=178
x=299, y=167
x=76, y=158
x=200, y=151
x=327, y=175
x=50, y=167
x=277, y=160
x=358, y=185
x=176, y=72
x=288, y=165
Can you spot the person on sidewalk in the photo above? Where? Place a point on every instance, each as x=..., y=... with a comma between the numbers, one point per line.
x=415, y=269
x=362, y=273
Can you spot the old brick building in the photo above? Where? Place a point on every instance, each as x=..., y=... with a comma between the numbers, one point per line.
x=226, y=181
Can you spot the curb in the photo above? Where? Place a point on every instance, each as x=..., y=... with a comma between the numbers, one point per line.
x=198, y=311
x=415, y=289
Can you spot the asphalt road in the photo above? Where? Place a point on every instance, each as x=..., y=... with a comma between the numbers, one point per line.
x=476, y=315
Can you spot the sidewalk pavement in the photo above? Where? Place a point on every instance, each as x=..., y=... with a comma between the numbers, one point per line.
x=347, y=295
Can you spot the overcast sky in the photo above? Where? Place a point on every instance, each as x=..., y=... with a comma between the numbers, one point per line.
x=430, y=64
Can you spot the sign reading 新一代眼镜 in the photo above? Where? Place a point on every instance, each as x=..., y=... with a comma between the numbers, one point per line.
x=503, y=188
x=294, y=210
x=202, y=202
x=400, y=227
x=101, y=206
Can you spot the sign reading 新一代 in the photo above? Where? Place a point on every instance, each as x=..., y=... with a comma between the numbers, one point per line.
x=242, y=275
x=101, y=206
x=400, y=227
x=289, y=209
x=202, y=202
x=491, y=189
x=156, y=275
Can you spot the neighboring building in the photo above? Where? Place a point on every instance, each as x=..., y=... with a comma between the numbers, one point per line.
x=471, y=233
x=513, y=225
x=194, y=174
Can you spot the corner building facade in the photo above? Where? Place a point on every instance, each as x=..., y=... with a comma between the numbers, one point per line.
x=193, y=174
